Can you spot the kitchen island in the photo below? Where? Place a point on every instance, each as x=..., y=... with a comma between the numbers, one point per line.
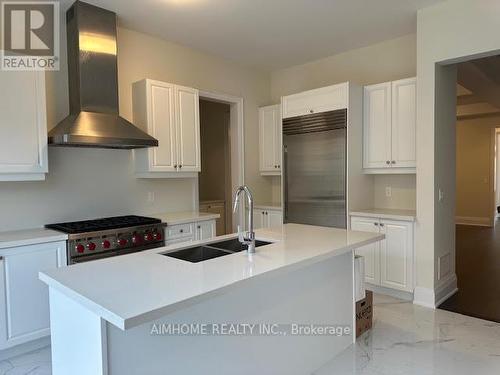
x=147, y=313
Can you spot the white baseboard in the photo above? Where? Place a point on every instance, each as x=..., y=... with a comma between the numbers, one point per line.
x=432, y=298
x=446, y=289
x=471, y=220
x=24, y=348
x=407, y=296
x=424, y=297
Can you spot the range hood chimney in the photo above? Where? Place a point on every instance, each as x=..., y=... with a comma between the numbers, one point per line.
x=93, y=85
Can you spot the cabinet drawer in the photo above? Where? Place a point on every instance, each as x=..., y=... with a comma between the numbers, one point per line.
x=180, y=230
x=179, y=240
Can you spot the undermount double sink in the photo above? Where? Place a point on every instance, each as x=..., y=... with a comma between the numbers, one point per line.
x=213, y=250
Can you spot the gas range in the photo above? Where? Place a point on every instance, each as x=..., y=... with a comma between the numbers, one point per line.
x=107, y=237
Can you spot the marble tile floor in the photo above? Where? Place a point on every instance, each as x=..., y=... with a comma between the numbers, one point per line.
x=413, y=340
x=405, y=339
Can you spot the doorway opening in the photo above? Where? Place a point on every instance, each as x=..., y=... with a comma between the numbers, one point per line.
x=222, y=150
x=214, y=181
x=477, y=233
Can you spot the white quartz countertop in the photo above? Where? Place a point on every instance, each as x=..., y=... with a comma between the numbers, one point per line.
x=174, y=218
x=386, y=213
x=134, y=289
x=29, y=237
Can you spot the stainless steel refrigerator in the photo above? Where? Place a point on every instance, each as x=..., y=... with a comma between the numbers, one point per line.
x=315, y=164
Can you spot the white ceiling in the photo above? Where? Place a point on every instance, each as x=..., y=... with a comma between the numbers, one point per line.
x=268, y=34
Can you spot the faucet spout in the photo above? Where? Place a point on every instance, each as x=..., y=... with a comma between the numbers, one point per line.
x=249, y=237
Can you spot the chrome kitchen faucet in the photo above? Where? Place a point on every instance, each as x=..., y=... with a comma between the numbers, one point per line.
x=249, y=237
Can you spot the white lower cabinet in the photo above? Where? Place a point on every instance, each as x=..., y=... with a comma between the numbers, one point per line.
x=179, y=233
x=371, y=252
x=267, y=218
x=205, y=230
x=25, y=313
x=388, y=263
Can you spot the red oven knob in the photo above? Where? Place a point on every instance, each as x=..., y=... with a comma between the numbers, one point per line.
x=91, y=246
x=106, y=244
x=80, y=248
x=136, y=239
x=148, y=237
x=157, y=236
x=122, y=242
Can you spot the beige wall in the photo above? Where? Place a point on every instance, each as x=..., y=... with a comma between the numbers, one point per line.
x=386, y=61
x=142, y=56
x=85, y=183
x=474, y=178
x=449, y=32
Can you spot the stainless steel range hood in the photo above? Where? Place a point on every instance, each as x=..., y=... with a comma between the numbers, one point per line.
x=93, y=85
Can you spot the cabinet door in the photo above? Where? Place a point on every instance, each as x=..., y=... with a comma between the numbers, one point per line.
x=23, y=125
x=403, y=123
x=259, y=220
x=278, y=143
x=188, y=129
x=396, y=255
x=314, y=101
x=205, y=230
x=161, y=125
x=268, y=119
x=371, y=252
x=377, y=126
x=26, y=297
x=274, y=218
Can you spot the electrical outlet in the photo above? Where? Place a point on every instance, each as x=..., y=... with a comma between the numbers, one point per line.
x=388, y=191
x=151, y=196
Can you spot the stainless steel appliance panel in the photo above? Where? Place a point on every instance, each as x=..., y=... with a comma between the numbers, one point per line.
x=315, y=177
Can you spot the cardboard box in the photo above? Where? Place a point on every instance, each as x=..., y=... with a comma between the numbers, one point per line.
x=364, y=314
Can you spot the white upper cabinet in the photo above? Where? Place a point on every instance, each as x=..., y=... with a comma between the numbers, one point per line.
x=377, y=126
x=389, y=127
x=187, y=104
x=314, y=101
x=170, y=113
x=23, y=126
x=404, y=118
x=270, y=140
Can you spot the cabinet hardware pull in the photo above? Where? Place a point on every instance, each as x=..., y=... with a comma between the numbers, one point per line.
x=1, y=257
x=311, y=111
x=393, y=162
x=175, y=166
x=387, y=162
x=182, y=231
x=375, y=224
x=199, y=227
x=180, y=166
x=382, y=224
